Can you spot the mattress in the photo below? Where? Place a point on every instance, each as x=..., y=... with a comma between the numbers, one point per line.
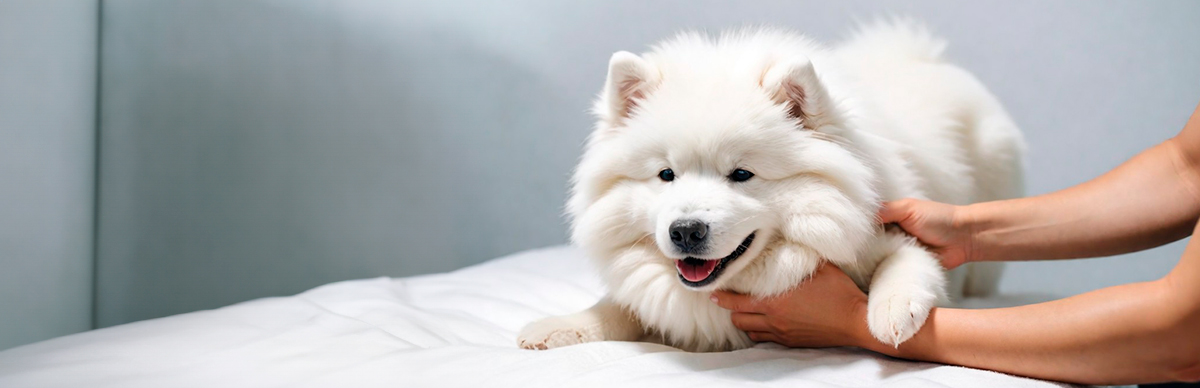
x=455, y=329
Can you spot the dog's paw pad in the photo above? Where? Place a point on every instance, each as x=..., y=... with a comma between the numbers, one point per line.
x=552, y=333
x=896, y=318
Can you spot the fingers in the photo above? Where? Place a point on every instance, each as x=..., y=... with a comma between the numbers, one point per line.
x=738, y=302
x=764, y=336
x=895, y=211
x=750, y=322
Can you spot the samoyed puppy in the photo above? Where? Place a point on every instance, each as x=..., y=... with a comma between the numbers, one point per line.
x=741, y=162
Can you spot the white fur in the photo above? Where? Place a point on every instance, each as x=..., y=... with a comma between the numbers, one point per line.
x=828, y=133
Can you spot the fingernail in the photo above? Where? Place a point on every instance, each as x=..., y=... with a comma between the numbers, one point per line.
x=713, y=298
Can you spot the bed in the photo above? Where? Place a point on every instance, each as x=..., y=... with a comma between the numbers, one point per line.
x=454, y=329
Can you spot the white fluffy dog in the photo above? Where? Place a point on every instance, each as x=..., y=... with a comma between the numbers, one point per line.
x=742, y=162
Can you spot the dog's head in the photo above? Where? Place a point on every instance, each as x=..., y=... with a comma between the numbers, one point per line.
x=703, y=158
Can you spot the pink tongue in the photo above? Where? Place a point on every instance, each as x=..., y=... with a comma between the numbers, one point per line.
x=696, y=272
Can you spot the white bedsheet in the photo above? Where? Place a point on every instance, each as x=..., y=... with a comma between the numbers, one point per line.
x=446, y=330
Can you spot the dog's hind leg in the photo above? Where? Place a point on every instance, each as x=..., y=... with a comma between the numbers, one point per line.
x=605, y=321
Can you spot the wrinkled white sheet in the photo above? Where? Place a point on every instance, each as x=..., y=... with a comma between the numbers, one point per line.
x=455, y=329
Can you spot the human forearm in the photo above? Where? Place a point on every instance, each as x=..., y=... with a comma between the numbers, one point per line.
x=1134, y=333
x=1148, y=201
x=1118, y=335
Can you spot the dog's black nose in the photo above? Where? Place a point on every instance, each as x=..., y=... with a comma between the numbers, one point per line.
x=688, y=234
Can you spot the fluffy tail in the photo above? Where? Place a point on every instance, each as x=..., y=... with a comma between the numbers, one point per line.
x=897, y=38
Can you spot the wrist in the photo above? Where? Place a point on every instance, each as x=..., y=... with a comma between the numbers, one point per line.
x=968, y=220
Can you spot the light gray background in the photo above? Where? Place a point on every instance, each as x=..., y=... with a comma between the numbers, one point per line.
x=47, y=163
x=255, y=148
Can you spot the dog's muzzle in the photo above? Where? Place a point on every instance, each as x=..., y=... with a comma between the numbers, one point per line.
x=698, y=273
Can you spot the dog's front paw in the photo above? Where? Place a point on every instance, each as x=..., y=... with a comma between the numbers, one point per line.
x=893, y=317
x=555, y=332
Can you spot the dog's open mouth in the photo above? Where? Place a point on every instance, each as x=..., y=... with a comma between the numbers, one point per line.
x=695, y=272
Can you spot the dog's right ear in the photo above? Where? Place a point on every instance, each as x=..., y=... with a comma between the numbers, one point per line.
x=630, y=78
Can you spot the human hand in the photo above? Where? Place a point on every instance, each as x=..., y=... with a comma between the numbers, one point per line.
x=941, y=227
x=827, y=310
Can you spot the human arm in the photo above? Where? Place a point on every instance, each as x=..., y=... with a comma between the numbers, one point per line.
x=1135, y=333
x=1150, y=200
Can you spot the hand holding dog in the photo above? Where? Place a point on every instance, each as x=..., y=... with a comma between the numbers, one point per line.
x=943, y=228
x=827, y=310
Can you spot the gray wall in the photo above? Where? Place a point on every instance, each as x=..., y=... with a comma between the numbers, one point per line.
x=47, y=165
x=261, y=148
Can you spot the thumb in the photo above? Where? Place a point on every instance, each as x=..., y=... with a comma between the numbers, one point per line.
x=736, y=302
x=895, y=211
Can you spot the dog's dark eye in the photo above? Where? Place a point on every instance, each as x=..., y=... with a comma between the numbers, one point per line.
x=740, y=175
x=666, y=175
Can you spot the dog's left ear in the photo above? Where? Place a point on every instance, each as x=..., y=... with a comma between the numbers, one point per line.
x=795, y=84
